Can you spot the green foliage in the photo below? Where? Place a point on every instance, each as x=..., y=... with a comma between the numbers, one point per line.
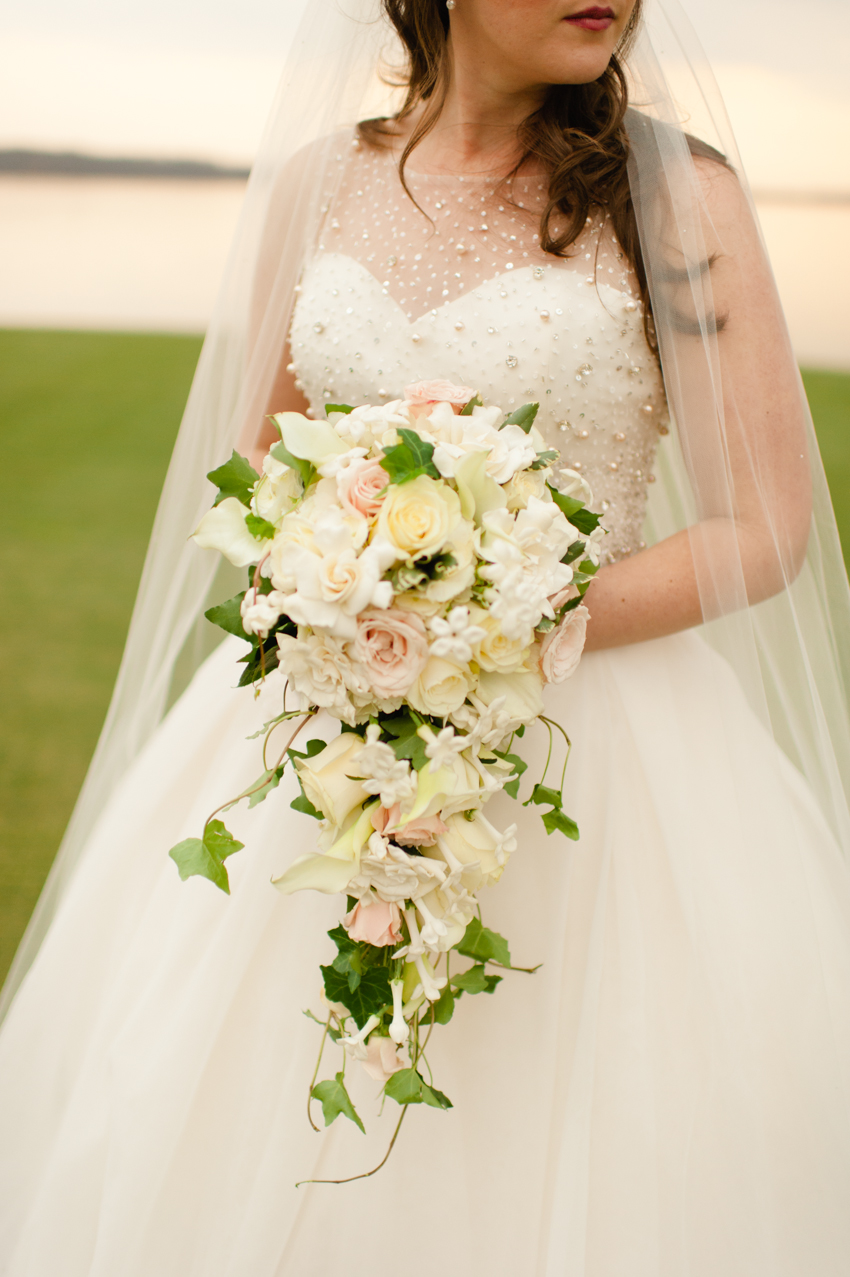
x=334, y=1100
x=519, y=765
x=475, y=402
x=305, y=469
x=410, y=458
x=338, y=407
x=543, y=794
x=371, y=995
x=475, y=980
x=235, y=478
x=260, y=528
x=484, y=945
x=267, y=782
x=556, y=819
x=444, y=1007
x=579, y=516
x=205, y=857
x=523, y=417
x=409, y=1087
x=400, y=729
x=228, y=616
x=544, y=459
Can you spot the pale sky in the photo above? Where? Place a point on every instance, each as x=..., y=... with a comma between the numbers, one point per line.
x=196, y=78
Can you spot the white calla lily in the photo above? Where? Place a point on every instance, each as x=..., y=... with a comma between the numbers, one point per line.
x=223, y=528
x=313, y=441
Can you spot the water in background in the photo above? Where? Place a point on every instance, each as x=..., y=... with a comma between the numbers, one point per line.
x=148, y=254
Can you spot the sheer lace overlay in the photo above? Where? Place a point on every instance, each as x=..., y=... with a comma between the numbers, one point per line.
x=460, y=288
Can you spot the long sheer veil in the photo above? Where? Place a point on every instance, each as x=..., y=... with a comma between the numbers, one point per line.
x=789, y=651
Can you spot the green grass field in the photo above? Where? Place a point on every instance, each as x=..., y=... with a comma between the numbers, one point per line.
x=87, y=421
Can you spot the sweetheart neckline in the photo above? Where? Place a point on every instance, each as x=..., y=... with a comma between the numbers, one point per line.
x=435, y=310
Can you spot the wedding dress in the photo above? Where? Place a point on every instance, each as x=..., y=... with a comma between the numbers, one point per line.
x=666, y=1095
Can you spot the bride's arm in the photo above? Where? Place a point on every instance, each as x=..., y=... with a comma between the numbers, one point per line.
x=763, y=536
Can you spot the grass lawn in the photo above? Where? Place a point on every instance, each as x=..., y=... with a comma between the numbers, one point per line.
x=87, y=421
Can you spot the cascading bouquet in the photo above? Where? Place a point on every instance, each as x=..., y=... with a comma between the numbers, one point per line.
x=414, y=572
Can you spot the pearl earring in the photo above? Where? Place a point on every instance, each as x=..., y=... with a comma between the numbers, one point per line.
x=451, y=4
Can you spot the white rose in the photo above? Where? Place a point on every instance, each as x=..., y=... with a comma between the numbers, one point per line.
x=496, y=651
x=441, y=687
x=417, y=518
x=525, y=484
x=223, y=528
x=326, y=781
x=523, y=693
x=561, y=649
x=276, y=490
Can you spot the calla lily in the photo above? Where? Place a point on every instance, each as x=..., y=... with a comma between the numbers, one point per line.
x=314, y=441
x=331, y=871
x=478, y=492
x=223, y=528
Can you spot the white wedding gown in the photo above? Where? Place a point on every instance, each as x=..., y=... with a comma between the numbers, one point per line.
x=666, y=1097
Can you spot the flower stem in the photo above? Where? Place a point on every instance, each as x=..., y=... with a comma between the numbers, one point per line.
x=364, y=1174
x=316, y=1073
x=260, y=784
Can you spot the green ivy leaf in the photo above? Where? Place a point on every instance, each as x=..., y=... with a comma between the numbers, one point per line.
x=334, y=1100
x=580, y=517
x=409, y=1087
x=475, y=402
x=228, y=616
x=338, y=407
x=523, y=417
x=575, y=551
x=475, y=980
x=371, y=996
x=543, y=794
x=519, y=765
x=444, y=1007
x=205, y=857
x=407, y=460
x=271, y=780
x=302, y=803
x=484, y=945
x=556, y=819
x=305, y=469
x=235, y=478
x=312, y=748
x=260, y=528
x=402, y=728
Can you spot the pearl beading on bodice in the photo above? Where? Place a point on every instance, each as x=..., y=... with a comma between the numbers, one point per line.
x=533, y=328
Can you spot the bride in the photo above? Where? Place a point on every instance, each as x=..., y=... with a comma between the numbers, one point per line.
x=669, y=1093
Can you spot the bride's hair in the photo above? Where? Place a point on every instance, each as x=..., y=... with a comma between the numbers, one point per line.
x=578, y=135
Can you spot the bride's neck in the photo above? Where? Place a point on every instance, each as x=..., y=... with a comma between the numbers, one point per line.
x=481, y=113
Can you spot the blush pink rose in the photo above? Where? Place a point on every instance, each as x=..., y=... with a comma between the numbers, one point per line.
x=422, y=394
x=421, y=832
x=378, y=924
x=358, y=486
x=393, y=648
x=561, y=649
x=384, y=1058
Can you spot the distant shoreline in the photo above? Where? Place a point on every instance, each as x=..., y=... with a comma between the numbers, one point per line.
x=25, y=163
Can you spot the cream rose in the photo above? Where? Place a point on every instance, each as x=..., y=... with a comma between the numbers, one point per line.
x=326, y=778
x=276, y=491
x=495, y=653
x=358, y=486
x=478, y=845
x=392, y=647
x=525, y=484
x=441, y=688
x=523, y=693
x=561, y=649
x=417, y=518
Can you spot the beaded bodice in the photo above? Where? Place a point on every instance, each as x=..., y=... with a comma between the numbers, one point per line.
x=391, y=297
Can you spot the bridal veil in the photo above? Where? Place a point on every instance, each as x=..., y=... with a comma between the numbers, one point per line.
x=781, y=620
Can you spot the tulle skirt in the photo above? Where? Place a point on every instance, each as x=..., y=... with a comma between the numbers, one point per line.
x=666, y=1097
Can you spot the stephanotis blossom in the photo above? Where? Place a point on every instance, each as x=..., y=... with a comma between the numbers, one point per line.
x=455, y=636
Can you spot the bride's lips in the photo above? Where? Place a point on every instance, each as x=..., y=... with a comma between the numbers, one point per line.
x=592, y=19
